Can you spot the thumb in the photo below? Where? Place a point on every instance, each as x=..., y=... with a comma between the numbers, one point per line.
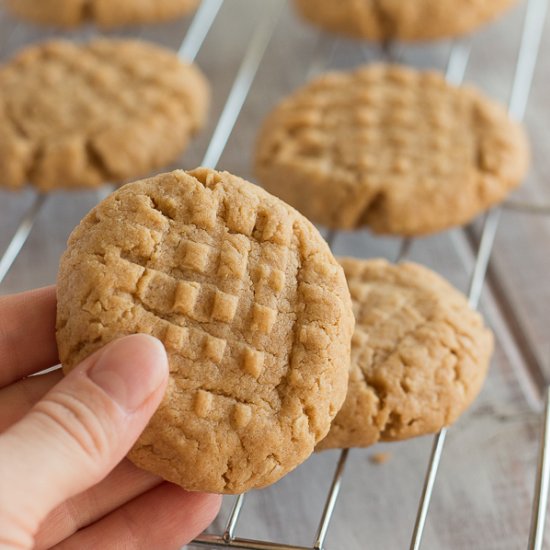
x=80, y=430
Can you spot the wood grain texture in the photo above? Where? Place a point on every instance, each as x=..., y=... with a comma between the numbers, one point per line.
x=483, y=493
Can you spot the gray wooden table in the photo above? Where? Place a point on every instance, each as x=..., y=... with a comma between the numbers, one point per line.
x=483, y=493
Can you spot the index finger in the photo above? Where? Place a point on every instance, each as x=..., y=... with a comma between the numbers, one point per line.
x=27, y=334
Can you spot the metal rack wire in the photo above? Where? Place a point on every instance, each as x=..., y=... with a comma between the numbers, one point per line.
x=456, y=67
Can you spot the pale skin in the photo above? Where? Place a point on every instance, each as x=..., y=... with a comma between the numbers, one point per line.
x=64, y=481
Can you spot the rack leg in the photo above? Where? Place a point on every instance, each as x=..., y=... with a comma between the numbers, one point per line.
x=540, y=498
x=201, y=24
x=404, y=249
x=242, y=84
x=21, y=235
x=458, y=62
x=229, y=533
x=429, y=481
x=489, y=231
x=330, y=503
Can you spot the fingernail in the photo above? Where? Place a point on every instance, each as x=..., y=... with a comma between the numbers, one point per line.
x=129, y=370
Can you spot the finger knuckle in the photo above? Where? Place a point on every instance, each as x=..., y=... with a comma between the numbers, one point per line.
x=77, y=423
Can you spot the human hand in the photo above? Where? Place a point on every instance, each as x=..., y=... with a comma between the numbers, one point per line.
x=62, y=441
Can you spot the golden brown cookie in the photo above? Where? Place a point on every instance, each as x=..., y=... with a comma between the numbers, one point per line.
x=409, y=20
x=75, y=116
x=105, y=13
x=419, y=355
x=392, y=148
x=251, y=305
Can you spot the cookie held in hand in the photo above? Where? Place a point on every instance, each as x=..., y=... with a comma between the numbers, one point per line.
x=78, y=116
x=419, y=355
x=251, y=305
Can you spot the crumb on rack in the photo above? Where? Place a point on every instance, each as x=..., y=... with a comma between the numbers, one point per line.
x=379, y=458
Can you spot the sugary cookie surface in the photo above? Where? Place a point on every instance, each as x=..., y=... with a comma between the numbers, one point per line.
x=74, y=116
x=401, y=19
x=105, y=13
x=419, y=355
x=251, y=305
x=395, y=149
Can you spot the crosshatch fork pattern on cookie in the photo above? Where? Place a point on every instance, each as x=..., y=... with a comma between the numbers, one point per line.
x=210, y=280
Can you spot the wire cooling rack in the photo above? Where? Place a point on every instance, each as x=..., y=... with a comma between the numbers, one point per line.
x=532, y=29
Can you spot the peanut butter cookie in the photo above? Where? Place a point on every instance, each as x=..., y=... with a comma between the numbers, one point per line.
x=251, y=305
x=105, y=13
x=419, y=355
x=383, y=20
x=74, y=116
x=398, y=150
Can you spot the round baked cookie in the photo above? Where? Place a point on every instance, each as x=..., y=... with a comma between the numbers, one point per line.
x=75, y=116
x=382, y=20
x=419, y=355
x=392, y=148
x=105, y=13
x=251, y=305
